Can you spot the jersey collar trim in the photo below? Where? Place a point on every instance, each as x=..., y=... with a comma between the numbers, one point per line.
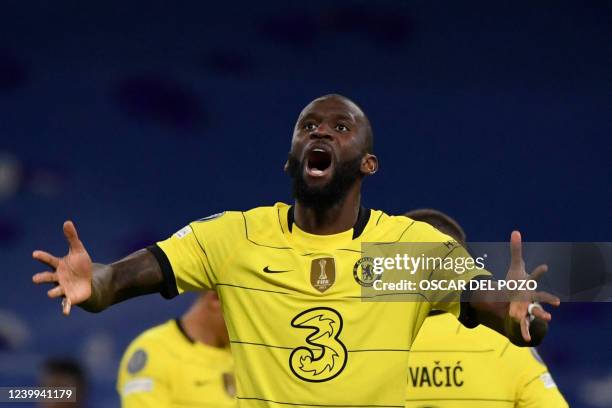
x=181, y=328
x=362, y=220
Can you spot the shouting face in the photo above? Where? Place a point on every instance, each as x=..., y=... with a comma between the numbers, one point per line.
x=330, y=151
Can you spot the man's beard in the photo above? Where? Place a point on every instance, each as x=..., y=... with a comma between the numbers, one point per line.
x=326, y=196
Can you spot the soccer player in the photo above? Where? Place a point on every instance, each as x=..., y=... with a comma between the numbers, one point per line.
x=451, y=366
x=183, y=362
x=301, y=332
x=63, y=373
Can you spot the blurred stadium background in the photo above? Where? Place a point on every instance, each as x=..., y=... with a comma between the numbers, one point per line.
x=133, y=118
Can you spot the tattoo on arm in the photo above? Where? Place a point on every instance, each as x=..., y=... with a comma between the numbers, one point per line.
x=137, y=274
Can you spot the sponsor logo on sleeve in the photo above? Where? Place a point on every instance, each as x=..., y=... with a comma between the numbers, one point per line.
x=183, y=232
x=547, y=380
x=138, y=385
x=137, y=361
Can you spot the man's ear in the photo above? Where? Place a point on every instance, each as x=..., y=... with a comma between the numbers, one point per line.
x=286, y=166
x=369, y=164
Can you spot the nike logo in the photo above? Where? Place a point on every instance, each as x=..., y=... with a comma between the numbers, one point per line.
x=200, y=383
x=268, y=270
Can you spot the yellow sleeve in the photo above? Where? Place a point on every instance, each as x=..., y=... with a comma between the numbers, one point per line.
x=194, y=257
x=144, y=376
x=449, y=264
x=536, y=387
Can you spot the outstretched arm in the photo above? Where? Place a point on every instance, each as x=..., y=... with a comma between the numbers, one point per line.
x=507, y=312
x=135, y=275
x=97, y=286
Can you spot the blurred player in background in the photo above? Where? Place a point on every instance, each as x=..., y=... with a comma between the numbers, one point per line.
x=451, y=366
x=288, y=277
x=64, y=372
x=183, y=362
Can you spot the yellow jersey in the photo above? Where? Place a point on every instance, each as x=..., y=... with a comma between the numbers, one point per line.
x=452, y=366
x=301, y=332
x=163, y=367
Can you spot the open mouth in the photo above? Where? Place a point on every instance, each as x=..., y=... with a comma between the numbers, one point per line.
x=318, y=162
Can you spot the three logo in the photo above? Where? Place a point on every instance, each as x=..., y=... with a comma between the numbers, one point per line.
x=324, y=356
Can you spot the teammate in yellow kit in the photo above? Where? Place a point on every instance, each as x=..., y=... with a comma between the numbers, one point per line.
x=290, y=277
x=183, y=362
x=451, y=366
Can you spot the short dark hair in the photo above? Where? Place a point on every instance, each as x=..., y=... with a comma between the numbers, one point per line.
x=65, y=366
x=369, y=133
x=439, y=220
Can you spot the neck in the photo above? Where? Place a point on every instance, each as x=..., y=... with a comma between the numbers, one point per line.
x=198, y=327
x=338, y=218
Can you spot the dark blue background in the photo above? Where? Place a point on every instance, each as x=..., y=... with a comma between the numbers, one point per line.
x=133, y=118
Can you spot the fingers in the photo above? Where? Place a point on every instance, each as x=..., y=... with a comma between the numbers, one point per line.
x=56, y=292
x=538, y=272
x=516, y=252
x=66, y=305
x=71, y=236
x=46, y=258
x=545, y=297
x=540, y=313
x=525, y=329
x=45, y=277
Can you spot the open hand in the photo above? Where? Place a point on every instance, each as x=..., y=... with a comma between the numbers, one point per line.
x=521, y=300
x=72, y=273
